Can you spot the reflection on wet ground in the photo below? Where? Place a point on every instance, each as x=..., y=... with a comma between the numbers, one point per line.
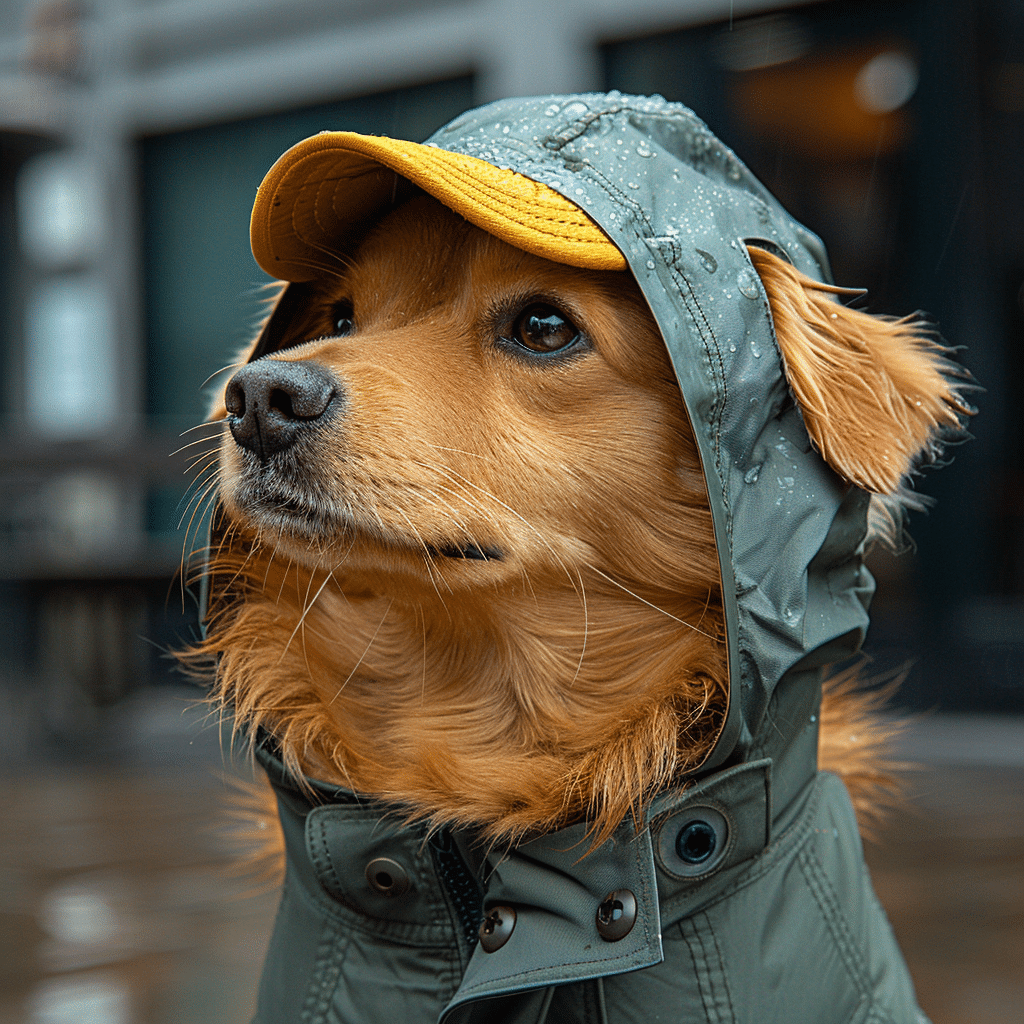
x=118, y=906
x=950, y=874
x=117, y=901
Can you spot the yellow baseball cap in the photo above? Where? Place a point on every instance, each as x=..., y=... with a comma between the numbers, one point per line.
x=336, y=183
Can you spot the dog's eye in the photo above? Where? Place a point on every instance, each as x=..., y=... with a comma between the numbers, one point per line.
x=543, y=329
x=342, y=317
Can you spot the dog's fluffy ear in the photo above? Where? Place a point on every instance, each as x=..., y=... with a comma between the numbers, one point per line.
x=876, y=392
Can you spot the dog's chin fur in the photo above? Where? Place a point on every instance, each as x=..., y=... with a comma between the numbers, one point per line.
x=486, y=589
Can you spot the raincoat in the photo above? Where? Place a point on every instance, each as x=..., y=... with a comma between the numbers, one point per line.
x=744, y=897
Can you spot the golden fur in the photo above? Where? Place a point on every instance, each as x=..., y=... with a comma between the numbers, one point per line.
x=581, y=671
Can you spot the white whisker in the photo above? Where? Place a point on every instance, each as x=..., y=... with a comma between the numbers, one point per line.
x=674, y=618
x=305, y=611
x=366, y=651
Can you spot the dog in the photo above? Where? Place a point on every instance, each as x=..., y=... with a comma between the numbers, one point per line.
x=465, y=565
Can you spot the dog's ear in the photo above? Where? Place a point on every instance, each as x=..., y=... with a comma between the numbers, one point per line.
x=876, y=392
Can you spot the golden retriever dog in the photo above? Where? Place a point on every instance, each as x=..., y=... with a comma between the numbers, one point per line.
x=462, y=511
x=479, y=481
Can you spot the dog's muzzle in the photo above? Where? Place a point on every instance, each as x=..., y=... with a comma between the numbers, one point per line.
x=271, y=403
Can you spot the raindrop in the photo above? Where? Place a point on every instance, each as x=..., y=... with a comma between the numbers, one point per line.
x=786, y=481
x=632, y=184
x=750, y=477
x=644, y=150
x=754, y=349
x=552, y=110
x=791, y=616
x=747, y=281
x=650, y=264
x=732, y=347
x=707, y=261
x=575, y=109
x=733, y=170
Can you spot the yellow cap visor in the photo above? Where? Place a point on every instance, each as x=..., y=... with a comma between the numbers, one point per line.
x=335, y=184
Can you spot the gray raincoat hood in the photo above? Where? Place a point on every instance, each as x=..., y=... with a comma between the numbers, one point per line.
x=378, y=922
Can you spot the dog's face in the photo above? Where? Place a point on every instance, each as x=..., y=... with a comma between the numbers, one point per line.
x=465, y=512
x=450, y=411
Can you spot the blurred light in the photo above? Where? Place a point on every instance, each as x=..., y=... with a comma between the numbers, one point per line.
x=60, y=209
x=84, y=513
x=762, y=42
x=69, y=358
x=79, y=916
x=80, y=1000
x=886, y=82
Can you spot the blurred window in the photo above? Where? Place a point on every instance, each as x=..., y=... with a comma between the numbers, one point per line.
x=204, y=294
x=818, y=101
x=203, y=290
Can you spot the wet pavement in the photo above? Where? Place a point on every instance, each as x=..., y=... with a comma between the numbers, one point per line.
x=118, y=901
x=950, y=874
x=118, y=904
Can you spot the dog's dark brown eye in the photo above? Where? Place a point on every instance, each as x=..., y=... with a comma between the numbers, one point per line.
x=541, y=328
x=342, y=316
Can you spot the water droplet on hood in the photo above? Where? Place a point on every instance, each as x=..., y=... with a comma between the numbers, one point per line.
x=632, y=184
x=747, y=281
x=791, y=616
x=644, y=150
x=707, y=261
x=575, y=109
x=552, y=110
x=750, y=477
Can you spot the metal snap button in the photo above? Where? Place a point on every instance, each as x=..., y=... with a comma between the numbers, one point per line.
x=616, y=915
x=387, y=877
x=696, y=842
x=496, y=928
x=693, y=842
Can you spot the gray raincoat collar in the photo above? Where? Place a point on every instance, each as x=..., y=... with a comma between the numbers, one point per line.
x=438, y=886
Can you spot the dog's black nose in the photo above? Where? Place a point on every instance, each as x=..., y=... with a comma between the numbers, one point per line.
x=271, y=402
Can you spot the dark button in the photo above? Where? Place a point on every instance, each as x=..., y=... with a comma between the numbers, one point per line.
x=616, y=915
x=693, y=842
x=696, y=842
x=387, y=877
x=496, y=928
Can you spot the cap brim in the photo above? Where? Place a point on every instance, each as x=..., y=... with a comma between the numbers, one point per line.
x=330, y=187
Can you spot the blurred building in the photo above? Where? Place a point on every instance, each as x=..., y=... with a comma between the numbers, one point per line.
x=133, y=134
